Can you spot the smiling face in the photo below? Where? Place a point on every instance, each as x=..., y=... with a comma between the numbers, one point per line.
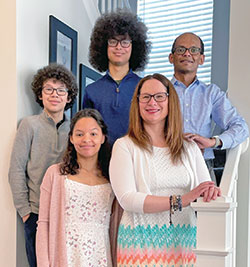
x=187, y=63
x=118, y=55
x=153, y=112
x=53, y=103
x=87, y=138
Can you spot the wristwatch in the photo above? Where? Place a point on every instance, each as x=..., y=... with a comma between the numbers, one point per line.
x=217, y=141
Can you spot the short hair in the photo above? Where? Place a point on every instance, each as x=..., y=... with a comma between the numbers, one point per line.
x=60, y=73
x=69, y=164
x=201, y=42
x=119, y=23
x=173, y=125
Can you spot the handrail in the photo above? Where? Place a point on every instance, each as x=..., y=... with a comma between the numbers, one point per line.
x=229, y=175
x=220, y=215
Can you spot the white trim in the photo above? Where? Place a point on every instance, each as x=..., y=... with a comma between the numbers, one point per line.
x=221, y=253
x=214, y=206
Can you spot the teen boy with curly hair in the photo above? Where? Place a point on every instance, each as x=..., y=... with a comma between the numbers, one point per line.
x=40, y=142
x=119, y=46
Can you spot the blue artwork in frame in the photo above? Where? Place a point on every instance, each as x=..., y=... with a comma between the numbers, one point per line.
x=87, y=76
x=63, y=47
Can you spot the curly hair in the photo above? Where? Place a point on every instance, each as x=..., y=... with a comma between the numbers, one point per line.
x=60, y=73
x=69, y=164
x=112, y=24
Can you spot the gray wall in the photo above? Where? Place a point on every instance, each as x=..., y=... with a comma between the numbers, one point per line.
x=220, y=44
x=220, y=47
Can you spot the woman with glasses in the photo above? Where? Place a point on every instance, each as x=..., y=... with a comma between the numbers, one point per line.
x=156, y=173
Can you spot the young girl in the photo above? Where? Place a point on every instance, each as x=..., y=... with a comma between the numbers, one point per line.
x=76, y=199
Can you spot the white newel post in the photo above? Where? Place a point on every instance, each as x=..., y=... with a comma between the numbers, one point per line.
x=215, y=232
x=216, y=221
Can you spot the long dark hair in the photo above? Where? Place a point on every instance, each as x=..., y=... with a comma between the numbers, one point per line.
x=69, y=164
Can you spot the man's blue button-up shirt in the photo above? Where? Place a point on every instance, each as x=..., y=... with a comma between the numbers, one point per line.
x=201, y=104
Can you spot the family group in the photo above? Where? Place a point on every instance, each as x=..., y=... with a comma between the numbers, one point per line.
x=113, y=185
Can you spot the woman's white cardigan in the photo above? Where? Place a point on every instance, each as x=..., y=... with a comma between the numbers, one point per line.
x=130, y=172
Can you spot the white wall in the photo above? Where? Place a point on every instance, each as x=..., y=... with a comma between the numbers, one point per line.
x=33, y=40
x=239, y=73
x=8, y=111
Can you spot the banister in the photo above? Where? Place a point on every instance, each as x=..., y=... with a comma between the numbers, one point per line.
x=229, y=175
x=220, y=216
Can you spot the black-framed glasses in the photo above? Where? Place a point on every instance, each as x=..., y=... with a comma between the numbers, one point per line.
x=125, y=43
x=59, y=91
x=159, y=97
x=193, y=50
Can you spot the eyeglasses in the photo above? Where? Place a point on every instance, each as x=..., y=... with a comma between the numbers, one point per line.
x=193, y=50
x=59, y=91
x=125, y=43
x=159, y=97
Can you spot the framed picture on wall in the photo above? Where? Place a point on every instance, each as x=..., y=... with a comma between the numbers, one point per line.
x=87, y=76
x=63, y=47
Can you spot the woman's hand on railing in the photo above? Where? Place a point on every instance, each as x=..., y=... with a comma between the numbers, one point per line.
x=211, y=193
x=205, y=189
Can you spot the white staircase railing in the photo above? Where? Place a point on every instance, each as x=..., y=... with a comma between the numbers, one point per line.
x=216, y=220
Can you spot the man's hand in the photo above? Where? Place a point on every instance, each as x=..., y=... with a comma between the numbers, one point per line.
x=25, y=218
x=201, y=141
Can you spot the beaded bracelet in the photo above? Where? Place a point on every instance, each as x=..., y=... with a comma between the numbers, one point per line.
x=170, y=209
x=179, y=202
x=175, y=203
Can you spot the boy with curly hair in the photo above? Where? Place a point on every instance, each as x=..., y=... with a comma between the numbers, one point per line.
x=119, y=46
x=40, y=142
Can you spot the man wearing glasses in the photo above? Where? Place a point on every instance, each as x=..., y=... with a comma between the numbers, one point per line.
x=119, y=46
x=201, y=104
x=40, y=142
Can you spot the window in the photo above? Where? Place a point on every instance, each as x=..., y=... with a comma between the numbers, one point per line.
x=166, y=19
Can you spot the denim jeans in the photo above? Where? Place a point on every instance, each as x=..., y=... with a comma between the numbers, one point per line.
x=30, y=238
